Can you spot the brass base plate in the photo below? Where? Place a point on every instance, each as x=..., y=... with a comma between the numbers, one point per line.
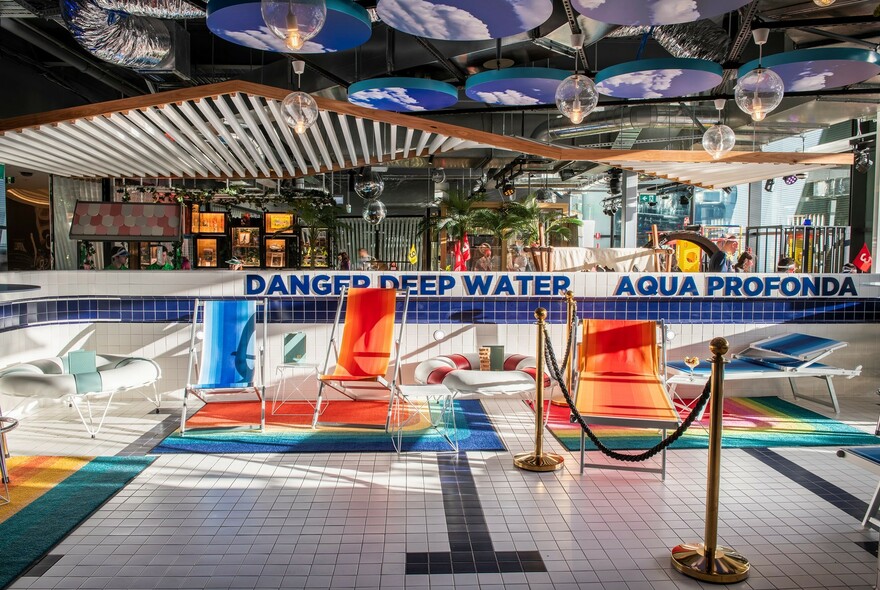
x=727, y=567
x=542, y=462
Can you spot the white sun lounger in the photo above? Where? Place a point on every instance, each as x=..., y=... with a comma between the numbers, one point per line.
x=778, y=357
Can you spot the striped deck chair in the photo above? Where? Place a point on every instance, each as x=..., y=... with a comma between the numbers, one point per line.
x=366, y=349
x=619, y=381
x=230, y=359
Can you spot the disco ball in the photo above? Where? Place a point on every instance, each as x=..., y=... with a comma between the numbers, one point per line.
x=374, y=212
x=545, y=195
x=369, y=186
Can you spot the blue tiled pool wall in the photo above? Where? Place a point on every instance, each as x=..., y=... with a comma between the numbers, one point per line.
x=508, y=310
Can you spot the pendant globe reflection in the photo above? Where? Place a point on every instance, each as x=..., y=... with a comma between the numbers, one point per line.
x=300, y=111
x=718, y=140
x=759, y=92
x=374, y=211
x=369, y=186
x=294, y=21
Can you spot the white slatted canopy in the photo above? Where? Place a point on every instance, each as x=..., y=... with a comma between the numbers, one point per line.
x=236, y=130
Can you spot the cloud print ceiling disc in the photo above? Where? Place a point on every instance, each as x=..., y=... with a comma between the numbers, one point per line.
x=659, y=78
x=404, y=95
x=654, y=12
x=240, y=21
x=464, y=20
x=516, y=86
x=818, y=69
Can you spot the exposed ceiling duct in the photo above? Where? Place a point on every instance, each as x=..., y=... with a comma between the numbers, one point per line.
x=117, y=38
x=171, y=9
x=702, y=39
x=649, y=116
x=635, y=117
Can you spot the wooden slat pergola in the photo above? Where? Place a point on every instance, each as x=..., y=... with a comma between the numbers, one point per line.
x=236, y=130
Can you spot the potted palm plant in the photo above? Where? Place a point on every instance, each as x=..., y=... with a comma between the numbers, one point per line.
x=537, y=225
x=457, y=215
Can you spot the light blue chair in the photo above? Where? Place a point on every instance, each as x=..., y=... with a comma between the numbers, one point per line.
x=230, y=359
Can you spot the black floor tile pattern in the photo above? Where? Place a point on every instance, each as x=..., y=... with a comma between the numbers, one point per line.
x=148, y=440
x=823, y=488
x=471, y=549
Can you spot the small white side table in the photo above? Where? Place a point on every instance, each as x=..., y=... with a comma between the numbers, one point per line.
x=434, y=402
x=298, y=374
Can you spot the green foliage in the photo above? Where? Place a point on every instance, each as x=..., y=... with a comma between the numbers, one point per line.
x=531, y=221
x=457, y=216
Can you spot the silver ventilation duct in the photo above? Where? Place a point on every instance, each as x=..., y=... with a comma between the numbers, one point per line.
x=121, y=39
x=702, y=39
x=631, y=117
x=171, y=9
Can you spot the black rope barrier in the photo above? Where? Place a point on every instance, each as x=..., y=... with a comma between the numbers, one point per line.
x=696, y=411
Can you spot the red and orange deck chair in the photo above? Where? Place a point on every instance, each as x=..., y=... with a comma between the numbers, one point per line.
x=366, y=349
x=619, y=381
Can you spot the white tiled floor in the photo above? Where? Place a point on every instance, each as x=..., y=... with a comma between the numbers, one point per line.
x=348, y=520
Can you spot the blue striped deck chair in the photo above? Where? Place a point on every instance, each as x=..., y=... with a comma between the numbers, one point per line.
x=230, y=358
x=779, y=357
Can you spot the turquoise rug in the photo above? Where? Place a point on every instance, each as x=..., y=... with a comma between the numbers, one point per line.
x=38, y=519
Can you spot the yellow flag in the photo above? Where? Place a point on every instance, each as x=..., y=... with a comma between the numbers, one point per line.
x=413, y=255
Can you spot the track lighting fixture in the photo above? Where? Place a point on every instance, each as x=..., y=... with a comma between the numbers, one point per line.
x=768, y=186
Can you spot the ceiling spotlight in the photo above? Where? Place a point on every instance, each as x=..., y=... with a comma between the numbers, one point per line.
x=768, y=186
x=508, y=189
x=294, y=21
x=761, y=90
x=790, y=179
x=823, y=3
x=863, y=161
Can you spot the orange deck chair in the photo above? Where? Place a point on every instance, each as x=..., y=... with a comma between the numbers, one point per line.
x=619, y=381
x=363, y=356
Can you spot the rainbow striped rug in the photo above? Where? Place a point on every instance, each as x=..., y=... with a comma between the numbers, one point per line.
x=748, y=422
x=289, y=430
x=52, y=495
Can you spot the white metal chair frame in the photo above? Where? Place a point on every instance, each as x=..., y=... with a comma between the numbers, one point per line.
x=392, y=387
x=204, y=394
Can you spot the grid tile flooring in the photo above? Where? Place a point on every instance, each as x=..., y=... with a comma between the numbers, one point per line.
x=360, y=520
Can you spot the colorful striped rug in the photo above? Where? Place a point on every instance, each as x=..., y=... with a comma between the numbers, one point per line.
x=748, y=422
x=49, y=497
x=289, y=430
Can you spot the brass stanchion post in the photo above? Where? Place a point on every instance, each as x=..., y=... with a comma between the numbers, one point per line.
x=539, y=460
x=708, y=561
x=571, y=309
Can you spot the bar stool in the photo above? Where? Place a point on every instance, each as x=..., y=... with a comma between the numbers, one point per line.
x=6, y=424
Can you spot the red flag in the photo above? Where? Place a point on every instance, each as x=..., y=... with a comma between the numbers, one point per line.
x=863, y=261
x=457, y=262
x=465, y=249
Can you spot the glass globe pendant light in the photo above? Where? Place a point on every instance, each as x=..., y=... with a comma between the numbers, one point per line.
x=294, y=21
x=299, y=108
x=719, y=138
x=576, y=96
x=761, y=90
